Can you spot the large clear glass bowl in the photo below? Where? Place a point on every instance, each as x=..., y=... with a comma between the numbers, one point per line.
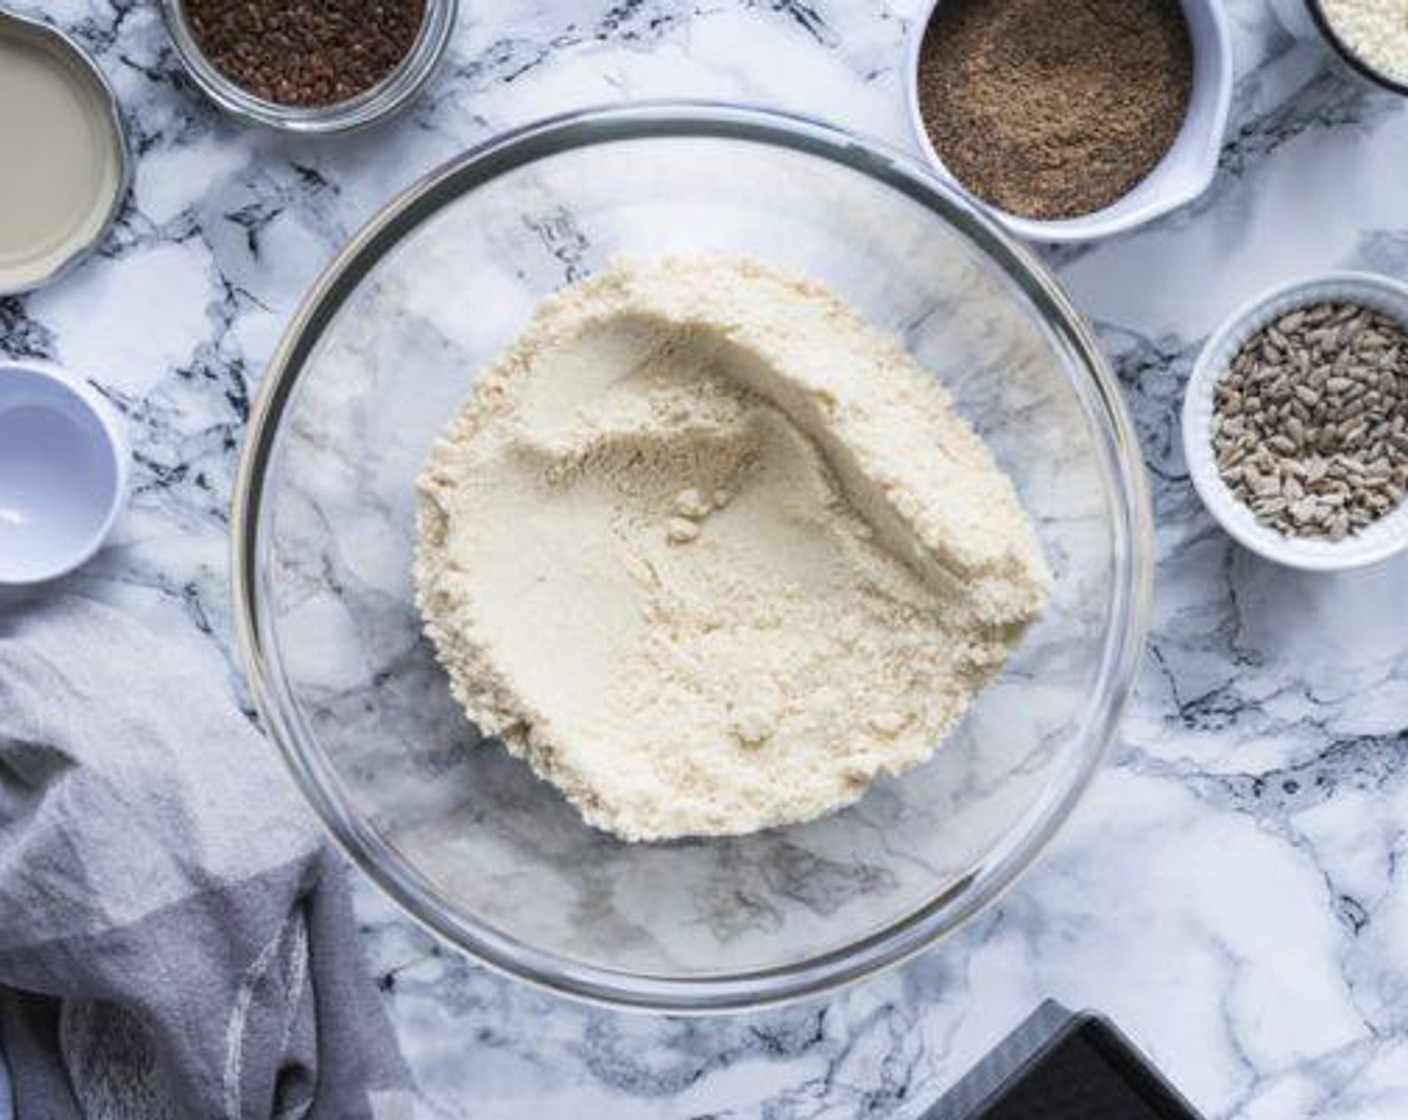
x=379, y=357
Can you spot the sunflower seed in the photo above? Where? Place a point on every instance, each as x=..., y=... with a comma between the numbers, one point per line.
x=1310, y=423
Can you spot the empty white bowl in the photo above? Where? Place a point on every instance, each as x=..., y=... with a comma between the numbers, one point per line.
x=1378, y=541
x=63, y=472
x=1186, y=170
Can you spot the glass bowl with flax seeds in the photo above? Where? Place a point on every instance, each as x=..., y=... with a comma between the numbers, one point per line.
x=1295, y=423
x=310, y=66
x=1072, y=121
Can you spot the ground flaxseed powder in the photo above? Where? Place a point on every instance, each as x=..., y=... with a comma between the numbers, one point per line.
x=1054, y=110
x=305, y=52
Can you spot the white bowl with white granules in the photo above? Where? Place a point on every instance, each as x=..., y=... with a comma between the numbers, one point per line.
x=1375, y=542
x=1370, y=37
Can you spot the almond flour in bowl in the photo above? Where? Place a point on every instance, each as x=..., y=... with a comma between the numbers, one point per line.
x=713, y=554
x=403, y=329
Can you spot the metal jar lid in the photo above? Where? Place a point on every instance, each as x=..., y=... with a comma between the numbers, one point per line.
x=68, y=52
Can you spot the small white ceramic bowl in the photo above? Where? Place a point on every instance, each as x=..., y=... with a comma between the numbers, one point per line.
x=1184, y=173
x=64, y=468
x=1382, y=539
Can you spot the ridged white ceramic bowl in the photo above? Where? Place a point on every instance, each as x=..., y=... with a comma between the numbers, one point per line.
x=1385, y=537
x=1186, y=170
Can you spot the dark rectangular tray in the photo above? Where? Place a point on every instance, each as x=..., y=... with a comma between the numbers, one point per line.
x=1062, y=1065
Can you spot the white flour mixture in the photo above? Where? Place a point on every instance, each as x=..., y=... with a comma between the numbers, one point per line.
x=711, y=553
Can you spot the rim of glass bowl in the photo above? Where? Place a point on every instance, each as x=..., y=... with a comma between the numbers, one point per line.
x=388, y=97
x=318, y=779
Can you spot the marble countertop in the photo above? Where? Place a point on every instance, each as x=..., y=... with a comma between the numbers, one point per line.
x=1230, y=891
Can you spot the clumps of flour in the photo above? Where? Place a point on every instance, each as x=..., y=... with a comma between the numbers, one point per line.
x=712, y=554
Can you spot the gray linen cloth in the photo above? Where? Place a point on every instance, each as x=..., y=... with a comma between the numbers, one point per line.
x=175, y=942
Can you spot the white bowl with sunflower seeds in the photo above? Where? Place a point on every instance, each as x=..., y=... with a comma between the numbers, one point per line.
x=1329, y=493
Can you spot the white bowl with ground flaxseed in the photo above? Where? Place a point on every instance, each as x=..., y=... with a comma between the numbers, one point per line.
x=1028, y=80
x=1286, y=513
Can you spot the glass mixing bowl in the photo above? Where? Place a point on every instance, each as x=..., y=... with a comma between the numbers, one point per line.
x=382, y=353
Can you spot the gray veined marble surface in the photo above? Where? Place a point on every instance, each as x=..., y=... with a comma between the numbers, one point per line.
x=1230, y=891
